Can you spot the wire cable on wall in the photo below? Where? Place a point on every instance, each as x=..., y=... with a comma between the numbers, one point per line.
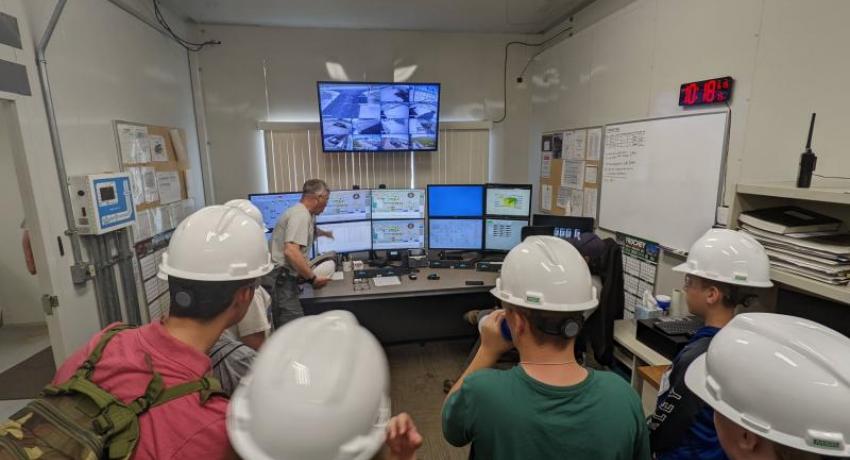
x=190, y=46
x=505, y=70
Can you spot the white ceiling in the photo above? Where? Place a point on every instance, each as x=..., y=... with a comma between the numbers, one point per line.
x=503, y=16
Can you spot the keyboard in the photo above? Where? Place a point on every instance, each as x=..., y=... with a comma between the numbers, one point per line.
x=382, y=281
x=679, y=325
x=384, y=271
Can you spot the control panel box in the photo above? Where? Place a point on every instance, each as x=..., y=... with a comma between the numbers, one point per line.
x=102, y=202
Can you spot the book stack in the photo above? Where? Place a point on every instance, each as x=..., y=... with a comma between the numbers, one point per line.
x=801, y=242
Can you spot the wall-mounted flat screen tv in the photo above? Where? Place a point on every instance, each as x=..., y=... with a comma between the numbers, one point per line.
x=379, y=117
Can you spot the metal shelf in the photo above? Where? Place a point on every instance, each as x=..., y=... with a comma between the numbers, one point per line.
x=837, y=195
x=836, y=293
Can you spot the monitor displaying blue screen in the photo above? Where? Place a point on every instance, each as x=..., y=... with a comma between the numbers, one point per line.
x=455, y=200
x=455, y=234
x=346, y=206
x=379, y=116
x=273, y=205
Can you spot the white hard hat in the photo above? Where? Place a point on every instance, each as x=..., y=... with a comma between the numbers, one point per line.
x=248, y=208
x=784, y=378
x=325, y=269
x=319, y=391
x=729, y=257
x=217, y=243
x=546, y=273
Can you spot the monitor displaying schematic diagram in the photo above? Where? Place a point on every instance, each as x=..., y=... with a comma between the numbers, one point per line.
x=348, y=237
x=346, y=206
x=451, y=234
x=273, y=205
x=508, y=200
x=398, y=234
x=502, y=234
x=398, y=204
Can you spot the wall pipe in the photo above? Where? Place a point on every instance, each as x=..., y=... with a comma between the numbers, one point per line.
x=80, y=269
x=128, y=278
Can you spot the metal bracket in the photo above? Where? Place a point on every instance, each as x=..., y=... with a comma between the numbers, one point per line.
x=81, y=273
x=48, y=303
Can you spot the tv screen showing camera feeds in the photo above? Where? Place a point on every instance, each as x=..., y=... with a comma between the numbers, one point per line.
x=379, y=117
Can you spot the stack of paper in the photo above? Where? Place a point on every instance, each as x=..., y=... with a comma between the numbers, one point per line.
x=821, y=256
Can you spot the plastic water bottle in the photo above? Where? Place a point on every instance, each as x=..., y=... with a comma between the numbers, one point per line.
x=503, y=328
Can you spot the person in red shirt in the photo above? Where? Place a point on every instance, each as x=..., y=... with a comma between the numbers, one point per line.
x=213, y=265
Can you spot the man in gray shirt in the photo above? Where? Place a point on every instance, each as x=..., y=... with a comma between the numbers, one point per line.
x=291, y=241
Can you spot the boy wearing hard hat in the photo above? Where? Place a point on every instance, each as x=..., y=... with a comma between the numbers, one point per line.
x=779, y=386
x=213, y=264
x=320, y=390
x=548, y=406
x=720, y=266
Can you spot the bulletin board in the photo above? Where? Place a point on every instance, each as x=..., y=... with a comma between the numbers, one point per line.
x=570, y=172
x=155, y=157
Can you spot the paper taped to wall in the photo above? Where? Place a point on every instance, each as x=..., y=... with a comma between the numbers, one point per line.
x=158, y=150
x=572, y=174
x=168, y=185
x=546, y=197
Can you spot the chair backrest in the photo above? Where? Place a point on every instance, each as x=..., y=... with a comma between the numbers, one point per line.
x=531, y=230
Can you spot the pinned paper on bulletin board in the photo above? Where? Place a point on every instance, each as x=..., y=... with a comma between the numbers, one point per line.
x=576, y=202
x=546, y=166
x=149, y=184
x=572, y=175
x=591, y=197
x=158, y=150
x=579, y=144
x=591, y=174
x=546, y=143
x=546, y=197
x=568, y=146
x=168, y=186
x=563, y=198
x=594, y=144
x=557, y=145
x=134, y=143
x=179, y=147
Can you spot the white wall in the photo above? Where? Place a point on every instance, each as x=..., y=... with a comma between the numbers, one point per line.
x=270, y=74
x=788, y=59
x=104, y=64
x=20, y=294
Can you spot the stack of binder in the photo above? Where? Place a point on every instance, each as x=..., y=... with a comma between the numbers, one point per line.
x=802, y=242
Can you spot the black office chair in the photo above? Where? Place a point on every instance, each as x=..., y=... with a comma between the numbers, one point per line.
x=531, y=230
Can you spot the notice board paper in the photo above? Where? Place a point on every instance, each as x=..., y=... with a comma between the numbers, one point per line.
x=137, y=185
x=546, y=166
x=149, y=182
x=591, y=174
x=546, y=143
x=134, y=143
x=579, y=145
x=149, y=266
x=563, y=200
x=568, y=145
x=572, y=174
x=546, y=197
x=590, y=200
x=576, y=202
x=168, y=185
x=594, y=144
x=158, y=150
x=143, y=227
x=179, y=147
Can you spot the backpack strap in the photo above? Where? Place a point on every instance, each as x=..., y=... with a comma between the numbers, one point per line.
x=86, y=369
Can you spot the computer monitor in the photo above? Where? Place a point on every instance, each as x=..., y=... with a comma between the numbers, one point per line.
x=398, y=234
x=456, y=200
x=565, y=226
x=346, y=206
x=502, y=234
x=348, y=237
x=398, y=204
x=466, y=234
x=508, y=200
x=273, y=205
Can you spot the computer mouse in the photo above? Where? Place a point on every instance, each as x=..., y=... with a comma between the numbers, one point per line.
x=412, y=276
x=433, y=276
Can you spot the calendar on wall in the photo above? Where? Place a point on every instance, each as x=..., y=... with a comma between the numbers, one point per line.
x=640, y=266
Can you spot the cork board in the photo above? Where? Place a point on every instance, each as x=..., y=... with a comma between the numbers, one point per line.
x=572, y=159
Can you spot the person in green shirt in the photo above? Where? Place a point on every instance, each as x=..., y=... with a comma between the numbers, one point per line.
x=548, y=406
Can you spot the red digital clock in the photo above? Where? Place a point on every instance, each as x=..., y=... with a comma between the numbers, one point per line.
x=716, y=90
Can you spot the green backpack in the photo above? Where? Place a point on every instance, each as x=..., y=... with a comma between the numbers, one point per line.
x=79, y=420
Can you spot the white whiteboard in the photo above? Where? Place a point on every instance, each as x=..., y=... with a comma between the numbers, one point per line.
x=661, y=178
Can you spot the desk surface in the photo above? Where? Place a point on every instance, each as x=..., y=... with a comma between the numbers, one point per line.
x=625, y=334
x=451, y=281
x=653, y=374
